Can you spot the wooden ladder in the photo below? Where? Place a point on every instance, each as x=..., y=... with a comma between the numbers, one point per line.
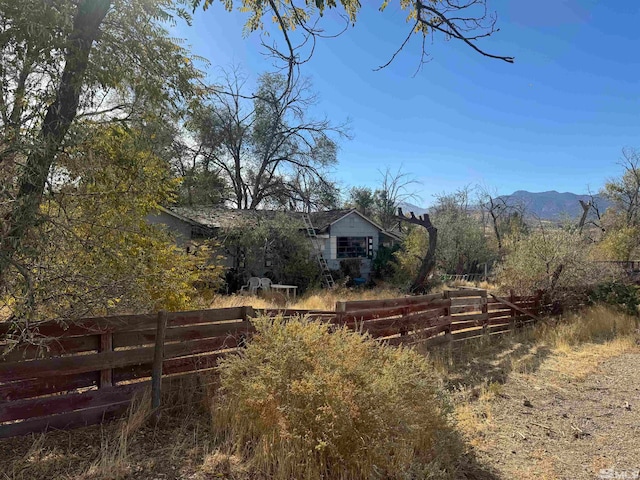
x=327, y=278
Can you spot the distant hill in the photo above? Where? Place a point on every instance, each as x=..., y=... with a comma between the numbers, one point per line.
x=410, y=207
x=553, y=205
x=550, y=205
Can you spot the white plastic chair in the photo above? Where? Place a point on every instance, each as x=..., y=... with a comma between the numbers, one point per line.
x=252, y=286
x=265, y=284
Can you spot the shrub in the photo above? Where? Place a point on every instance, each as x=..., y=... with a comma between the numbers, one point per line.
x=350, y=268
x=300, y=402
x=552, y=260
x=385, y=263
x=619, y=294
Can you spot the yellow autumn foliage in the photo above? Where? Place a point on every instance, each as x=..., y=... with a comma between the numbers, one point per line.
x=96, y=253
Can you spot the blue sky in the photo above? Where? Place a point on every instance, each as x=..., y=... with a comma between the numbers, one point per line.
x=557, y=119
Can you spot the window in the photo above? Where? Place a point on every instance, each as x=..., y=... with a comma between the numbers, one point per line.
x=354, y=247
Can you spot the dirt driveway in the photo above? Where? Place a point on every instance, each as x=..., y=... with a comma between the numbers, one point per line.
x=566, y=416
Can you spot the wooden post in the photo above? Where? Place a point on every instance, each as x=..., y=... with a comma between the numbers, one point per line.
x=404, y=330
x=538, y=301
x=247, y=314
x=512, y=322
x=485, y=312
x=447, y=308
x=106, y=345
x=158, y=354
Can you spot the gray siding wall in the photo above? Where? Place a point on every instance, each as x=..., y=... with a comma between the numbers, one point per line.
x=181, y=229
x=353, y=225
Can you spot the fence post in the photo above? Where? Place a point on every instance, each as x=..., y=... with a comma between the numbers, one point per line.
x=404, y=330
x=447, y=312
x=485, y=312
x=106, y=345
x=448, y=337
x=247, y=313
x=158, y=354
x=512, y=320
x=538, y=301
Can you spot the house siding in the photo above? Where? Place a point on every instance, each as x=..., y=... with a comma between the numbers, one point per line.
x=352, y=225
x=180, y=228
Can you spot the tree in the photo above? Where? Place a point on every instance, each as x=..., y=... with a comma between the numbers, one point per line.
x=60, y=58
x=500, y=213
x=624, y=192
x=307, y=193
x=265, y=146
x=363, y=200
x=96, y=254
x=392, y=192
x=382, y=203
x=277, y=245
x=550, y=260
x=619, y=244
x=428, y=261
x=468, y=21
x=462, y=244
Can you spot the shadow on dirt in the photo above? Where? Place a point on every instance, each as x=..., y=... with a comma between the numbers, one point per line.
x=482, y=361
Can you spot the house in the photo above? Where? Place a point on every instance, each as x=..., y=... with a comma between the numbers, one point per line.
x=340, y=234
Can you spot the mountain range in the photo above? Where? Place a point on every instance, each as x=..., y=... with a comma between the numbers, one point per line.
x=549, y=205
x=553, y=205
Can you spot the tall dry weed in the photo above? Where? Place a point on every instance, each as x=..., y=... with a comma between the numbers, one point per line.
x=595, y=324
x=313, y=300
x=113, y=461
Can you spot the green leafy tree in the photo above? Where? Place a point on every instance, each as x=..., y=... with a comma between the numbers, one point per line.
x=624, y=192
x=462, y=243
x=413, y=249
x=96, y=253
x=618, y=244
x=63, y=60
x=363, y=200
x=550, y=260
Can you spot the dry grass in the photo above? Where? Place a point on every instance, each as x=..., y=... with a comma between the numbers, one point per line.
x=567, y=349
x=593, y=325
x=315, y=300
x=113, y=461
x=326, y=299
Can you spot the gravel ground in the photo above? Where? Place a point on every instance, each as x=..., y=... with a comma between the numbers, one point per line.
x=548, y=425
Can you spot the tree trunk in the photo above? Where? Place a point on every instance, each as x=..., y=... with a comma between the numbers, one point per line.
x=585, y=211
x=496, y=230
x=555, y=277
x=58, y=118
x=420, y=284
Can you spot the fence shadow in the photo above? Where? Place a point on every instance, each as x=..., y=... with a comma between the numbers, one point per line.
x=483, y=361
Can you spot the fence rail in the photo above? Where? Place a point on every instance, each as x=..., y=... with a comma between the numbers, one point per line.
x=89, y=370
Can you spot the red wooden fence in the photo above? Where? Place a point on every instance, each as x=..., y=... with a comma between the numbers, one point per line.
x=90, y=370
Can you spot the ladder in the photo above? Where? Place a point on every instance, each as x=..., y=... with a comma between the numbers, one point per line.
x=327, y=278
